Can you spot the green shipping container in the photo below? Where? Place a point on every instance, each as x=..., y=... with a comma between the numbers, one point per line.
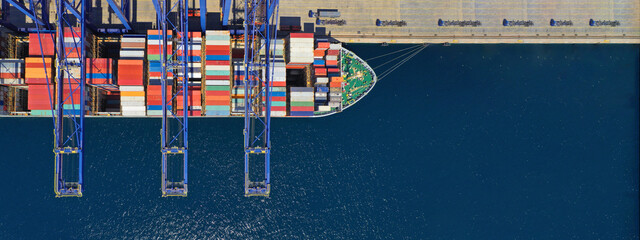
x=217, y=88
x=302, y=104
x=217, y=108
x=281, y=104
x=217, y=72
x=218, y=37
x=41, y=112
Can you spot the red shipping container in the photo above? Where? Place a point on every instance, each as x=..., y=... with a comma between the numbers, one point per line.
x=333, y=70
x=335, y=84
x=333, y=52
x=190, y=113
x=215, y=77
x=302, y=108
x=218, y=48
x=323, y=45
x=158, y=32
x=217, y=93
x=190, y=52
x=278, y=99
x=278, y=108
x=46, y=40
x=295, y=66
x=211, y=102
x=337, y=79
x=279, y=84
x=301, y=35
x=217, y=52
x=11, y=75
x=332, y=62
x=130, y=82
x=42, y=81
x=224, y=63
x=37, y=65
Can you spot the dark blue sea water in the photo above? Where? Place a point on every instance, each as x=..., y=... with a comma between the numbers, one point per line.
x=463, y=142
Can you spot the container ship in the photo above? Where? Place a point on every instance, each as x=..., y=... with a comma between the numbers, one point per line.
x=311, y=77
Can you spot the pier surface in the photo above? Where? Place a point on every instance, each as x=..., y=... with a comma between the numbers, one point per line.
x=422, y=17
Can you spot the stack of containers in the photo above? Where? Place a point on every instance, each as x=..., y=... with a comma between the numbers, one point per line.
x=335, y=92
x=130, y=75
x=301, y=101
x=331, y=58
x=335, y=86
x=99, y=72
x=194, y=64
x=320, y=68
x=41, y=46
x=279, y=80
x=11, y=71
x=37, y=76
x=318, y=54
x=321, y=99
x=154, y=86
x=71, y=89
x=237, y=92
x=300, y=50
x=218, y=73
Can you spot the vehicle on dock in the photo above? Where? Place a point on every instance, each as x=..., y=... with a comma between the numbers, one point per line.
x=392, y=23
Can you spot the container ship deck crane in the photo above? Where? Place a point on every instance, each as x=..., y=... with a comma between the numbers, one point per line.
x=260, y=28
x=174, y=132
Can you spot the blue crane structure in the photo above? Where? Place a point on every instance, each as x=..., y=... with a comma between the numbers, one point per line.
x=69, y=115
x=259, y=32
x=173, y=135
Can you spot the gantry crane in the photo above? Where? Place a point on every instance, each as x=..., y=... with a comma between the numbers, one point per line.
x=259, y=31
x=174, y=132
x=69, y=110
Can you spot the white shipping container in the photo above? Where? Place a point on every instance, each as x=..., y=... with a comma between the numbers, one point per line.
x=217, y=67
x=132, y=54
x=217, y=82
x=153, y=42
x=132, y=98
x=217, y=32
x=300, y=40
x=131, y=88
x=322, y=80
x=301, y=99
x=134, y=113
x=194, y=64
x=278, y=113
x=133, y=40
x=219, y=42
x=301, y=94
x=130, y=104
x=328, y=57
x=133, y=108
x=335, y=104
x=324, y=108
